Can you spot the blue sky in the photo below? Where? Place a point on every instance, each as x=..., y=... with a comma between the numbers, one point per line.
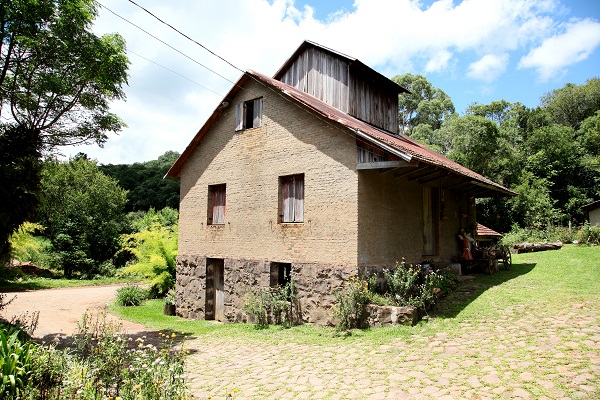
x=474, y=50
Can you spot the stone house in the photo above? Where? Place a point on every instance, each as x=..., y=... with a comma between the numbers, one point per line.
x=306, y=174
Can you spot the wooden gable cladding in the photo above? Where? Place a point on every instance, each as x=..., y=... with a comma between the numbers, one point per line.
x=344, y=83
x=373, y=104
x=321, y=74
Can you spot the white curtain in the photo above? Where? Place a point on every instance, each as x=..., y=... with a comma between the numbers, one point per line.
x=218, y=204
x=292, y=197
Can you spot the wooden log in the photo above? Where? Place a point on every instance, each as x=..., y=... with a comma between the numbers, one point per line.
x=531, y=247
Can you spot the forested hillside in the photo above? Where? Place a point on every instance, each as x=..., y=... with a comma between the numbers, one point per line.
x=145, y=184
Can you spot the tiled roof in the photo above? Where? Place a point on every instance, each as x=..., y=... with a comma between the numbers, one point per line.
x=486, y=232
x=400, y=143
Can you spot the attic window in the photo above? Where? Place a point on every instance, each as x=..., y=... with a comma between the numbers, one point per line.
x=248, y=114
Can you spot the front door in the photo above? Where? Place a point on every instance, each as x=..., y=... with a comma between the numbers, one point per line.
x=215, y=282
x=219, y=296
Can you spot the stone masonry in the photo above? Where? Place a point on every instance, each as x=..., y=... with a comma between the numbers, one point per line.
x=315, y=286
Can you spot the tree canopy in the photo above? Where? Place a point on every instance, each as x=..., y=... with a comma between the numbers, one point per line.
x=145, y=183
x=57, y=76
x=424, y=104
x=57, y=79
x=83, y=213
x=550, y=155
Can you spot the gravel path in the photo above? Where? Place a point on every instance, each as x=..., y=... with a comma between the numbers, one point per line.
x=61, y=309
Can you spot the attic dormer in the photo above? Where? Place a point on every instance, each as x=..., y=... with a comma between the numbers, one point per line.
x=344, y=83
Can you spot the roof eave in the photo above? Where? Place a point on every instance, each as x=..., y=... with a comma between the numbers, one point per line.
x=175, y=170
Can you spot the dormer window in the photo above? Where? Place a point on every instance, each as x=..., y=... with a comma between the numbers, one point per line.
x=248, y=114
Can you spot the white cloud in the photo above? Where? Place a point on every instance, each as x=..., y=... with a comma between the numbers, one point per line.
x=488, y=67
x=558, y=52
x=164, y=110
x=438, y=61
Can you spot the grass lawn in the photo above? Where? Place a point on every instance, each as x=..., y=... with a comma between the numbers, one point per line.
x=548, y=279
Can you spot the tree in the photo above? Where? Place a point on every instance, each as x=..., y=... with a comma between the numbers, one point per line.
x=83, y=212
x=473, y=142
x=533, y=206
x=588, y=136
x=423, y=105
x=56, y=81
x=20, y=169
x=572, y=104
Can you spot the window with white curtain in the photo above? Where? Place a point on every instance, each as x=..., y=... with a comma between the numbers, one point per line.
x=291, y=190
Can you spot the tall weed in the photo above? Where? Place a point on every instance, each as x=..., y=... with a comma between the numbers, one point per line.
x=351, y=301
x=271, y=305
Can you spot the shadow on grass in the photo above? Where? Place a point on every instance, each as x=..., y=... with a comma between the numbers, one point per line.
x=160, y=339
x=471, y=289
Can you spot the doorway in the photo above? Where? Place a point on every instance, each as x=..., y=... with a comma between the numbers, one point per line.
x=215, y=296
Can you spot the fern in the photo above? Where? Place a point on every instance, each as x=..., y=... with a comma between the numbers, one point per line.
x=155, y=250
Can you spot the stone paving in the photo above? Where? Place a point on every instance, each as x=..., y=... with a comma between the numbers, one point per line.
x=528, y=352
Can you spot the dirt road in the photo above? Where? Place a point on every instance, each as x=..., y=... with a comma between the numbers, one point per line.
x=61, y=309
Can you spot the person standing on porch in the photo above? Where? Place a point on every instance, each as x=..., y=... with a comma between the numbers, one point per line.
x=466, y=245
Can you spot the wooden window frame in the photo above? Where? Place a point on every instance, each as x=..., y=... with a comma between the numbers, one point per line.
x=291, y=199
x=248, y=114
x=431, y=221
x=217, y=204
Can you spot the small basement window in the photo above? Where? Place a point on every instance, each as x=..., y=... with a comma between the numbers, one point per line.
x=217, y=198
x=248, y=114
x=281, y=274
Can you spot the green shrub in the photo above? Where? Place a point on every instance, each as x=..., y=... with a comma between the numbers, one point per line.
x=584, y=235
x=24, y=246
x=143, y=220
x=402, y=284
x=131, y=295
x=271, y=305
x=589, y=235
x=410, y=285
x=351, y=301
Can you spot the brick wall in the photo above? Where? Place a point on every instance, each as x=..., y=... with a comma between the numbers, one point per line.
x=250, y=162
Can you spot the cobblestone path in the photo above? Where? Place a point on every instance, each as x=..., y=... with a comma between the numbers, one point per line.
x=528, y=352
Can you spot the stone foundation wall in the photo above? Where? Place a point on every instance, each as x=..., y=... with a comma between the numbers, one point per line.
x=191, y=287
x=315, y=287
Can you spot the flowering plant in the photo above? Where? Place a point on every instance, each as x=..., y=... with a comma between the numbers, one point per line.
x=170, y=297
